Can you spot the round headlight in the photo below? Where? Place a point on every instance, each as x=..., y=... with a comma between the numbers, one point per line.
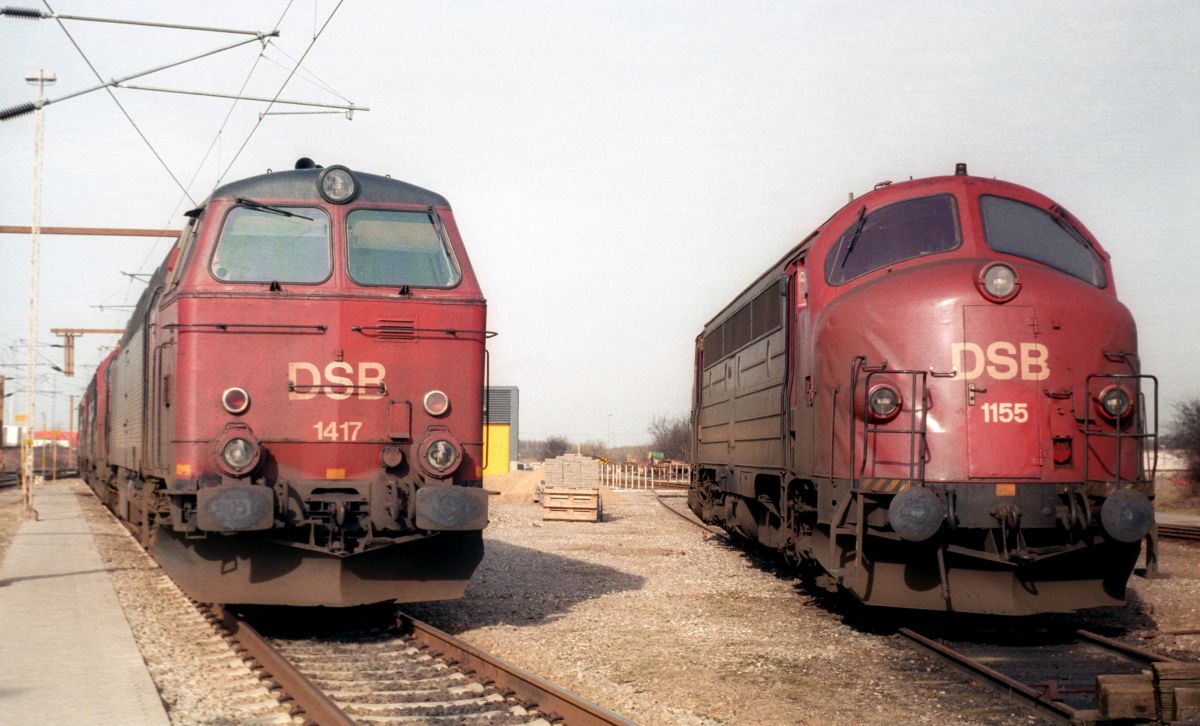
x=235, y=400
x=1115, y=402
x=999, y=283
x=337, y=185
x=441, y=454
x=238, y=453
x=884, y=401
x=437, y=403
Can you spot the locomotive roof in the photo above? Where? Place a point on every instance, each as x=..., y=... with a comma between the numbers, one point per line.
x=302, y=184
x=912, y=187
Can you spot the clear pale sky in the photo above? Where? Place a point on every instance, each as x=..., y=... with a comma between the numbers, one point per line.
x=619, y=170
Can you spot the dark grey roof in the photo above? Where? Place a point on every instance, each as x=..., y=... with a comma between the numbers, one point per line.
x=302, y=184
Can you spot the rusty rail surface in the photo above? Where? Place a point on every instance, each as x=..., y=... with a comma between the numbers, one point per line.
x=1129, y=651
x=1032, y=695
x=1042, y=699
x=308, y=699
x=547, y=697
x=1179, y=531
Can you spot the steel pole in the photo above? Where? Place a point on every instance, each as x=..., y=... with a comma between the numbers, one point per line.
x=35, y=239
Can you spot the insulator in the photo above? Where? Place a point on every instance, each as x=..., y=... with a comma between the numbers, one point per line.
x=19, y=110
x=27, y=13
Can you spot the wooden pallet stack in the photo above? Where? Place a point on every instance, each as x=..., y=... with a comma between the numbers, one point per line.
x=571, y=489
x=1178, y=687
x=1169, y=694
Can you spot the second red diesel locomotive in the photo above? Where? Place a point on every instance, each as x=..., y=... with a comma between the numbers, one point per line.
x=935, y=399
x=294, y=413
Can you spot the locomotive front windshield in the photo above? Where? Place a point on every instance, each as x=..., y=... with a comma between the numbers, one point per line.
x=892, y=234
x=263, y=245
x=1023, y=230
x=399, y=248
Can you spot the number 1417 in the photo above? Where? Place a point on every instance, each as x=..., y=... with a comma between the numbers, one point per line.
x=330, y=431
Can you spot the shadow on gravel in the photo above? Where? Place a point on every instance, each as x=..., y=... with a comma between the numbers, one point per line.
x=519, y=586
x=514, y=586
x=1110, y=621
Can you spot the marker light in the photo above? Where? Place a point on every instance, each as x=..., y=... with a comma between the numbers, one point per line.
x=884, y=402
x=337, y=185
x=998, y=283
x=235, y=400
x=1115, y=402
x=238, y=453
x=440, y=454
x=437, y=403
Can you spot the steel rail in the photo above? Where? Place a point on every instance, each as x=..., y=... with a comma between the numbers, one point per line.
x=549, y=699
x=707, y=528
x=307, y=697
x=1129, y=651
x=1035, y=697
x=1178, y=531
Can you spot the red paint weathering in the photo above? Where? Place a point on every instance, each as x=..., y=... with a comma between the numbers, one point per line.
x=262, y=425
x=992, y=488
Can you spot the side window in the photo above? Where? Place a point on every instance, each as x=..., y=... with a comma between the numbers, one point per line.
x=1021, y=229
x=894, y=233
x=180, y=252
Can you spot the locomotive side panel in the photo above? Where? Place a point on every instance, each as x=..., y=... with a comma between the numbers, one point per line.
x=127, y=401
x=741, y=412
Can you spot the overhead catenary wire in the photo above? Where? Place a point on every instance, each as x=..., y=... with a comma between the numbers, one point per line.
x=117, y=101
x=216, y=139
x=281, y=87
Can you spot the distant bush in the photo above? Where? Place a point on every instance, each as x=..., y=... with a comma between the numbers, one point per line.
x=1185, y=435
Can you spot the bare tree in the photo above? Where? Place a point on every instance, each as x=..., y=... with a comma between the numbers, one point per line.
x=594, y=448
x=672, y=436
x=1185, y=435
x=555, y=446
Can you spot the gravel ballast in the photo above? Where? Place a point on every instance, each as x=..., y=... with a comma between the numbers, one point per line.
x=667, y=624
x=649, y=616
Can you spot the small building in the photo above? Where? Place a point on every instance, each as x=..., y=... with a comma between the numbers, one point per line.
x=500, y=429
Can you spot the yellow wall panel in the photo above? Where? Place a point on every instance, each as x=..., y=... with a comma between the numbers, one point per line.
x=496, y=446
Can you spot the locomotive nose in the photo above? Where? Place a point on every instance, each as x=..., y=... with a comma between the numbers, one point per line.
x=1127, y=515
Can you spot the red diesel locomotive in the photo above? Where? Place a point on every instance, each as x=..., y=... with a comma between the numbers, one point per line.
x=935, y=399
x=294, y=413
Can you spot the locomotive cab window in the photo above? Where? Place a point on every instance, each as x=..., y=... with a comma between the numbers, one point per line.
x=1023, y=230
x=263, y=245
x=399, y=248
x=891, y=234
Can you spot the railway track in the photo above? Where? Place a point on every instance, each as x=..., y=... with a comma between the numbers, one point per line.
x=1179, y=531
x=409, y=673
x=1060, y=679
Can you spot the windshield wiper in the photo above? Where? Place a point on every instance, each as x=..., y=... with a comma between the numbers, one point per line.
x=1062, y=219
x=268, y=208
x=862, y=222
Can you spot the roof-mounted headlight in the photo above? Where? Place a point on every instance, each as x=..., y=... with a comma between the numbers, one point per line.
x=998, y=282
x=337, y=185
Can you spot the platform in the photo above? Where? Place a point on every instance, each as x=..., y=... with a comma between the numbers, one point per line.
x=67, y=654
